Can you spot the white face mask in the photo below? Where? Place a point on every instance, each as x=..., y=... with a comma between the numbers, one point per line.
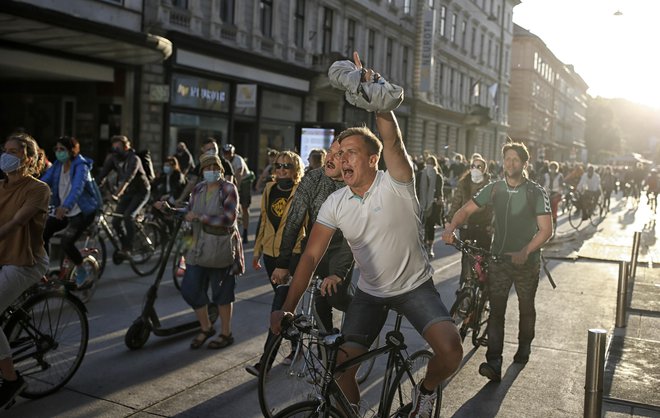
x=211, y=176
x=477, y=175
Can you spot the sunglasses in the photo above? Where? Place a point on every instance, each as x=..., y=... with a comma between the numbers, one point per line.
x=286, y=166
x=480, y=167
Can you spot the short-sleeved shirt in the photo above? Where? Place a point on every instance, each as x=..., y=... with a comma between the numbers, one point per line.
x=384, y=230
x=514, y=220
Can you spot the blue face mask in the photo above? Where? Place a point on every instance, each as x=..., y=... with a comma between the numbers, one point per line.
x=9, y=163
x=62, y=156
x=211, y=176
x=167, y=169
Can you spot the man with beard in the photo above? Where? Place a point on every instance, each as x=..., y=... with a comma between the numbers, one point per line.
x=133, y=190
x=520, y=231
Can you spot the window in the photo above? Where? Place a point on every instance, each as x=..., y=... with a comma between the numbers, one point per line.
x=350, y=37
x=451, y=83
x=227, y=11
x=497, y=56
x=443, y=19
x=441, y=79
x=406, y=7
x=371, y=47
x=452, y=35
x=327, y=30
x=180, y=4
x=404, y=63
x=388, y=56
x=299, y=24
x=490, y=49
x=482, y=38
x=266, y=7
x=463, y=33
x=473, y=42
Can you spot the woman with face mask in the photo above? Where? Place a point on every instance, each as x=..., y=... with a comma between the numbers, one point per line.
x=171, y=181
x=23, y=259
x=429, y=183
x=478, y=226
x=215, y=256
x=275, y=202
x=74, y=201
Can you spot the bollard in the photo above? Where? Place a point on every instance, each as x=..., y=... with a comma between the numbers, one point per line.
x=593, y=386
x=622, y=295
x=637, y=237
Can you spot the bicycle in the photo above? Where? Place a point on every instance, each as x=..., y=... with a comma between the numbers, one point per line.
x=471, y=309
x=48, y=334
x=281, y=384
x=593, y=204
x=66, y=274
x=183, y=241
x=402, y=374
x=148, y=244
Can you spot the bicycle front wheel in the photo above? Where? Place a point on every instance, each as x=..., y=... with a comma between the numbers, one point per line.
x=461, y=310
x=480, y=320
x=575, y=216
x=281, y=384
x=399, y=400
x=310, y=409
x=148, y=249
x=48, y=338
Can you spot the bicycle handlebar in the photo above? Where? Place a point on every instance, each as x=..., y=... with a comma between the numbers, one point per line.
x=468, y=248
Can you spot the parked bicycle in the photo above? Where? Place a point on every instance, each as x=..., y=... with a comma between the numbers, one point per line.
x=48, y=333
x=471, y=309
x=286, y=381
x=402, y=373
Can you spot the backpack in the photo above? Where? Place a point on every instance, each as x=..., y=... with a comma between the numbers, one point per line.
x=145, y=158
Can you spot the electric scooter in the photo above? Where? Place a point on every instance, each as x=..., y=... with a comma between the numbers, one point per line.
x=148, y=321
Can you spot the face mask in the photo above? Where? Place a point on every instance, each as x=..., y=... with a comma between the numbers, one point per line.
x=211, y=176
x=120, y=152
x=62, y=156
x=477, y=175
x=167, y=169
x=211, y=152
x=9, y=163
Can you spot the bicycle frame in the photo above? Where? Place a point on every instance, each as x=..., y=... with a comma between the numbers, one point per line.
x=394, y=346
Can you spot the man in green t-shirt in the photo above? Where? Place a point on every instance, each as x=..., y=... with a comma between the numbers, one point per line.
x=522, y=224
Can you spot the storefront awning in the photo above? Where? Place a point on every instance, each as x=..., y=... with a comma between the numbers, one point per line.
x=111, y=44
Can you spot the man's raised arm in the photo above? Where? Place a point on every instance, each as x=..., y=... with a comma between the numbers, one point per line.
x=394, y=152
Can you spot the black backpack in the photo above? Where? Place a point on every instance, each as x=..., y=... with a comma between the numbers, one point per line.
x=147, y=165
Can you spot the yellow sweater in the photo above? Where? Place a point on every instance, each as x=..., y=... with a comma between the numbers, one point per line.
x=268, y=240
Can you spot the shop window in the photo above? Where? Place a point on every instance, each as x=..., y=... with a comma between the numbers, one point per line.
x=194, y=129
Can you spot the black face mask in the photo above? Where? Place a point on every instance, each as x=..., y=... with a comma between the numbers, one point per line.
x=285, y=183
x=120, y=153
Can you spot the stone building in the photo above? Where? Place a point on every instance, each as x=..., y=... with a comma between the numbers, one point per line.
x=548, y=102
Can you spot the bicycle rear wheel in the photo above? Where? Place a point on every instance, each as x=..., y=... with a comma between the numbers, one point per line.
x=48, y=338
x=598, y=212
x=148, y=249
x=281, y=385
x=399, y=400
x=461, y=309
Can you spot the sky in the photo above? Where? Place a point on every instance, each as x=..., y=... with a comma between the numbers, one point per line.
x=617, y=56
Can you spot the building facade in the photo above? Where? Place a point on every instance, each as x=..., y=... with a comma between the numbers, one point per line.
x=252, y=73
x=548, y=101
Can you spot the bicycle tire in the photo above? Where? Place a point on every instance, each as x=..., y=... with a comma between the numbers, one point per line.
x=461, y=309
x=148, y=249
x=283, y=385
x=399, y=399
x=178, y=253
x=575, y=217
x=310, y=409
x=479, y=323
x=47, y=364
x=597, y=214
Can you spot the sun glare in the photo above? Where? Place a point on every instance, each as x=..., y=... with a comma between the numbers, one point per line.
x=614, y=53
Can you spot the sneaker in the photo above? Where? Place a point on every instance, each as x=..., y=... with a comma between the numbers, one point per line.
x=83, y=277
x=289, y=359
x=254, y=370
x=423, y=403
x=431, y=253
x=10, y=390
x=522, y=355
x=492, y=370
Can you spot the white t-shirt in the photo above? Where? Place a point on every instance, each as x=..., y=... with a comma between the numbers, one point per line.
x=384, y=231
x=63, y=190
x=240, y=166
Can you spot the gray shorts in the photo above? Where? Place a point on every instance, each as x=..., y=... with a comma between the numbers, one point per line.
x=366, y=314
